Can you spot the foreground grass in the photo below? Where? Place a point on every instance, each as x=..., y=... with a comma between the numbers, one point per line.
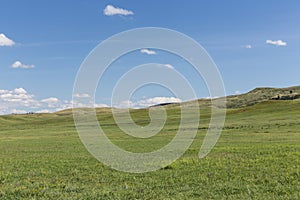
x=257, y=157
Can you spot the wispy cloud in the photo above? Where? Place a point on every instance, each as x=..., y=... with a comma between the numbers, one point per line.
x=111, y=10
x=276, y=42
x=43, y=111
x=50, y=100
x=18, y=64
x=5, y=41
x=248, y=46
x=83, y=95
x=52, y=43
x=148, y=51
x=169, y=66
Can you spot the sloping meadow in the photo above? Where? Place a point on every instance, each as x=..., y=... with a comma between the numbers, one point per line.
x=257, y=156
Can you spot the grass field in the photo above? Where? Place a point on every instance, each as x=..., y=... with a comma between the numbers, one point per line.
x=257, y=157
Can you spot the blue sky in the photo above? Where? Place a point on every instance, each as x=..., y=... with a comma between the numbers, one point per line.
x=43, y=43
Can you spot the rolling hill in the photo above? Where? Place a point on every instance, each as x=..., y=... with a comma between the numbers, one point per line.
x=256, y=157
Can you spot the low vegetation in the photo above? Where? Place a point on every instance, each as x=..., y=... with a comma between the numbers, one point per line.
x=257, y=157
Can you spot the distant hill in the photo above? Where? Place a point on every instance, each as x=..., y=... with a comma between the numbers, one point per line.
x=256, y=96
x=259, y=95
x=253, y=97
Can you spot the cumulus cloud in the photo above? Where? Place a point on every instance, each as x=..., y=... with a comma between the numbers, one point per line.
x=148, y=102
x=148, y=51
x=111, y=10
x=15, y=101
x=5, y=41
x=19, y=101
x=16, y=111
x=18, y=64
x=16, y=95
x=20, y=91
x=276, y=42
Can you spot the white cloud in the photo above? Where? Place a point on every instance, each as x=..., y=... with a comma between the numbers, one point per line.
x=82, y=95
x=157, y=100
x=276, y=42
x=16, y=95
x=20, y=91
x=18, y=64
x=148, y=51
x=50, y=100
x=248, y=46
x=43, y=111
x=15, y=101
x=3, y=91
x=16, y=111
x=111, y=10
x=19, y=100
x=5, y=41
x=169, y=66
x=210, y=98
x=125, y=104
x=85, y=104
x=100, y=105
x=148, y=102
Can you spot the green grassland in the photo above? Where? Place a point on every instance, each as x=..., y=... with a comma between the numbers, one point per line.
x=256, y=157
